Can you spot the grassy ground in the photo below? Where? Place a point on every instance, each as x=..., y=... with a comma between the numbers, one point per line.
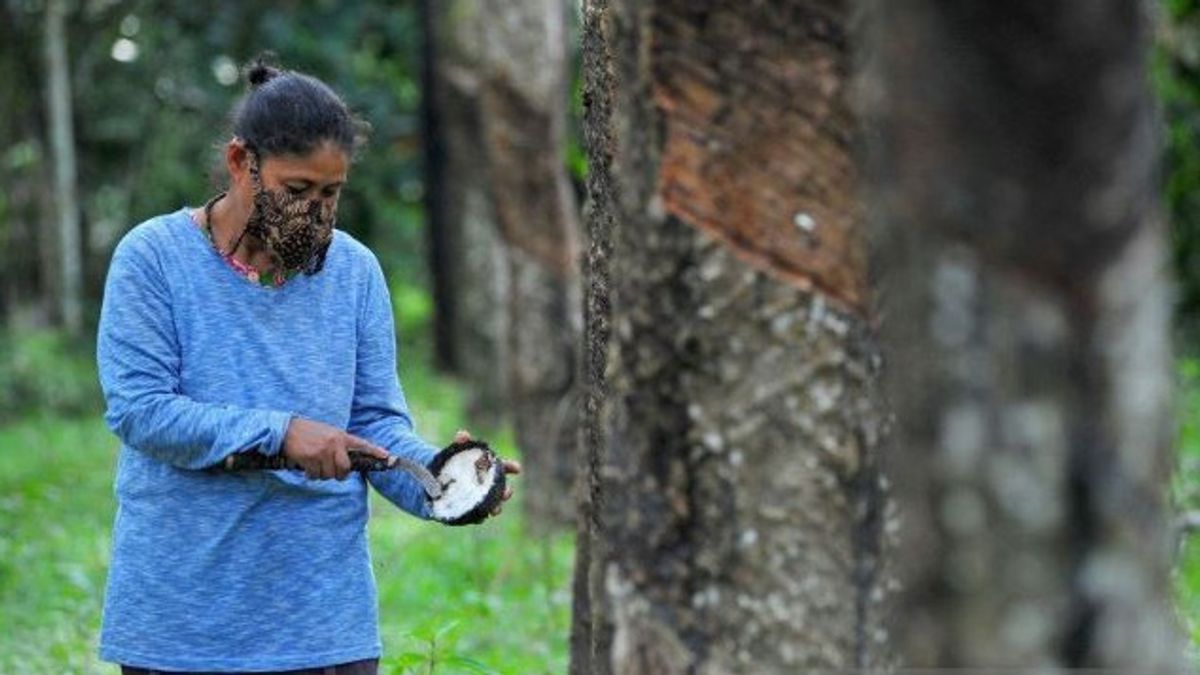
x=470, y=599
x=1185, y=490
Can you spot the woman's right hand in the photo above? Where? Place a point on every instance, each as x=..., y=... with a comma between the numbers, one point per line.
x=321, y=449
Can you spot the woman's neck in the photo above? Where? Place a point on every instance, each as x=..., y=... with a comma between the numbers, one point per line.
x=228, y=221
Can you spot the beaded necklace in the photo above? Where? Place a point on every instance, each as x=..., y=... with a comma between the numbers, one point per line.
x=245, y=270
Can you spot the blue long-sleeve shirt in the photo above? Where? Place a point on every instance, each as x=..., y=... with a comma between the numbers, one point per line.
x=259, y=570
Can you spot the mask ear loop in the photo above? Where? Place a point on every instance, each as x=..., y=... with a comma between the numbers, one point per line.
x=255, y=177
x=256, y=180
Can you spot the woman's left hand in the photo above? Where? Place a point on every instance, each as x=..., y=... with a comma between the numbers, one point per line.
x=510, y=466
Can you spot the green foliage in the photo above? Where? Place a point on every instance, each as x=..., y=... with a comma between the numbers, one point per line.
x=149, y=130
x=413, y=309
x=1176, y=72
x=1185, y=494
x=44, y=370
x=577, y=166
x=437, y=650
x=1186, y=486
x=481, y=599
x=55, y=514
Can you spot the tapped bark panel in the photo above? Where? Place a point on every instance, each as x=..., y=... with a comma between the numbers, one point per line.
x=757, y=136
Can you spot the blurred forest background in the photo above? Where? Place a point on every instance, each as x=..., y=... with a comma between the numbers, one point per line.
x=147, y=88
x=111, y=112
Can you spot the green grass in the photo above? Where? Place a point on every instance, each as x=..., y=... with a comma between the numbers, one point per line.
x=1185, y=493
x=489, y=598
x=55, y=513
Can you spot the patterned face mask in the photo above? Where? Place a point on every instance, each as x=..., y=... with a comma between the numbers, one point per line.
x=296, y=231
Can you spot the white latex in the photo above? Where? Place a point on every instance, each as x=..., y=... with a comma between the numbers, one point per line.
x=466, y=491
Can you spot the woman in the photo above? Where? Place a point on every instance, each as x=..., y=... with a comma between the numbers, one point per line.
x=252, y=324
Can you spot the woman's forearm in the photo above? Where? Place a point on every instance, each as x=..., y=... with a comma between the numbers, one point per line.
x=193, y=435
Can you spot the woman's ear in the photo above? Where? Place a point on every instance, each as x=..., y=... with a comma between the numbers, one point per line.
x=237, y=161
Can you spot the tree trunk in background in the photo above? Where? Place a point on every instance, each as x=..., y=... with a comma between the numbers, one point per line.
x=23, y=173
x=523, y=104
x=69, y=261
x=1026, y=321
x=468, y=261
x=732, y=512
x=441, y=271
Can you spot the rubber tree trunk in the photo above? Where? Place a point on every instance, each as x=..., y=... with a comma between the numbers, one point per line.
x=523, y=103
x=25, y=176
x=467, y=257
x=1022, y=250
x=433, y=146
x=69, y=261
x=731, y=511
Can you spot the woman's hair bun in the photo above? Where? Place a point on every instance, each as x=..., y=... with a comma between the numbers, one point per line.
x=292, y=115
x=261, y=70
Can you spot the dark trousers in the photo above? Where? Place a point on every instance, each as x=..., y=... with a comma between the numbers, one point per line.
x=366, y=667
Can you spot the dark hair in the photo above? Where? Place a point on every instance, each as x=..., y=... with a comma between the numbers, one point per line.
x=285, y=112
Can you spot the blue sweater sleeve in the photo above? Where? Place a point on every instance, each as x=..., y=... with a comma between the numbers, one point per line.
x=138, y=358
x=380, y=413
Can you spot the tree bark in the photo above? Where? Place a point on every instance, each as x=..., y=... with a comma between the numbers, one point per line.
x=523, y=104
x=441, y=255
x=467, y=253
x=23, y=295
x=28, y=244
x=732, y=509
x=1022, y=250
x=590, y=638
x=69, y=261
